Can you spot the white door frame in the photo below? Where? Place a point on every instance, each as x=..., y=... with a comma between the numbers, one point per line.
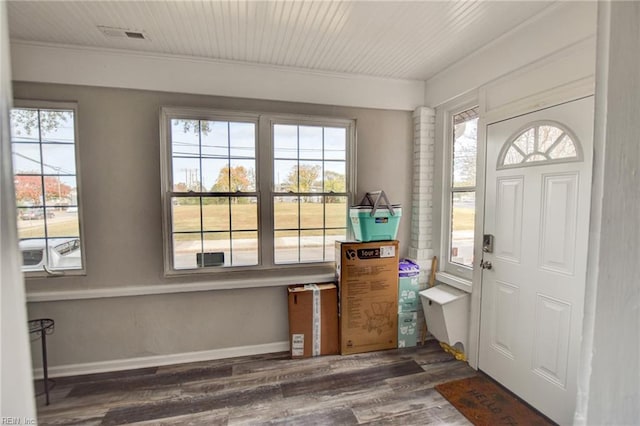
x=570, y=92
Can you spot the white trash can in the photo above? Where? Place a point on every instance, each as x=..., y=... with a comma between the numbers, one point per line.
x=446, y=311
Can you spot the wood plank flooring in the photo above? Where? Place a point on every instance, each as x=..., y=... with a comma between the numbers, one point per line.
x=394, y=387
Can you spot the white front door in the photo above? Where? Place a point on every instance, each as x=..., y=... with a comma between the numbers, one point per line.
x=538, y=183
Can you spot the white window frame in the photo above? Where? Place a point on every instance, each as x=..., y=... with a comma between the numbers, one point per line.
x=264, y=184
x=66, y=106
x=455, y=274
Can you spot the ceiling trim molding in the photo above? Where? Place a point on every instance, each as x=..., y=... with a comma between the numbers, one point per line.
x=544, y=36
x=63, y=64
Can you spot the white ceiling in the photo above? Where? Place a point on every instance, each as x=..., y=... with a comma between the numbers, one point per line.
x=394, y=39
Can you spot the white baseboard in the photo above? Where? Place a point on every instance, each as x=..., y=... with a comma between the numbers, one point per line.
x=160, y=360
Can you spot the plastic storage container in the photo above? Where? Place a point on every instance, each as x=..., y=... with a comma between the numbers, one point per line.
x=408, y=286
x=373, y=220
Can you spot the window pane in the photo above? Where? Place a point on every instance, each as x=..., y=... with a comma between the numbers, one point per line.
x=62, y=223
x=464, y=153
x=215, y=214
x=28, y=190
x=311, y=212
x=244, y=213
x=60, y=191
x=311, y=246
x=217, y=250
x=215, y=139
x=335, y=176
x=58, y=159
x=33, y=253
x=462, y=226
x=285, y=213
x=310, y=176
x=311, y=142
x=285, y=176
x=242, y=141
x=185, y=138
x=547, y=135
x=57, y=126
x=243, y=176
x=26, y=158
x=526, y=141
x=335, y=143
x=185, y=249
x=513, y=156
x=536, y=157
x=186, y=214
x=336, y=212
x=25, y=126
x=216, y=175
x=564, y=149
x=65, y=253
x=245, y=248
x=186, y=175
x=31, y=223
x=285, y=141
x=286, y=246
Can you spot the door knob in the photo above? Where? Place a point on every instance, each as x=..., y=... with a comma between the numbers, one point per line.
x=485, y=265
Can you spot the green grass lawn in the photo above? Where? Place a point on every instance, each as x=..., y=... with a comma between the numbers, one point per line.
x=243, y=216
x=56, y=227
x=463, y=219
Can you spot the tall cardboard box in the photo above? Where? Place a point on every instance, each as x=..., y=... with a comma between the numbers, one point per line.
x=367, y=274
x=313, y=320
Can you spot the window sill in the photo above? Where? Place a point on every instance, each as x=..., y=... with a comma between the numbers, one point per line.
x=55, y=274
x=147, y=290
x=454, y=281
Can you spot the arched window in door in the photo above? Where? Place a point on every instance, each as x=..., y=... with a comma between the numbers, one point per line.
x=540, y=143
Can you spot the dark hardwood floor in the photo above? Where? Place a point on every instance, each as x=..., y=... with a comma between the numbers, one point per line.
x=394, y=387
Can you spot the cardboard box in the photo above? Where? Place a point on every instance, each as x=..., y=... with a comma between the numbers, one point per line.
x=407, y=329
x=313, y=320
x=408, y=297
x=367, y=274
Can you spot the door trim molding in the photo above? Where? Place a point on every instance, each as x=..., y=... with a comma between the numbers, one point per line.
x=570, y=92
x=575, y=90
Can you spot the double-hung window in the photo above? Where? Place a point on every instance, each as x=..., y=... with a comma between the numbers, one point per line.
x=252, y=191
x=211, y=192
x=309, y=195
x=44, y=150
x=461, y=194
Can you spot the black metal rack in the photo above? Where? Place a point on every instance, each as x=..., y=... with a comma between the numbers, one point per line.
x=42, y=327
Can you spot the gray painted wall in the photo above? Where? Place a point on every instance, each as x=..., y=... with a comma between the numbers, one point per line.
x=120, y=172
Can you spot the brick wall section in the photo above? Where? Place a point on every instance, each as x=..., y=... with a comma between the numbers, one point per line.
x=421, y=249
